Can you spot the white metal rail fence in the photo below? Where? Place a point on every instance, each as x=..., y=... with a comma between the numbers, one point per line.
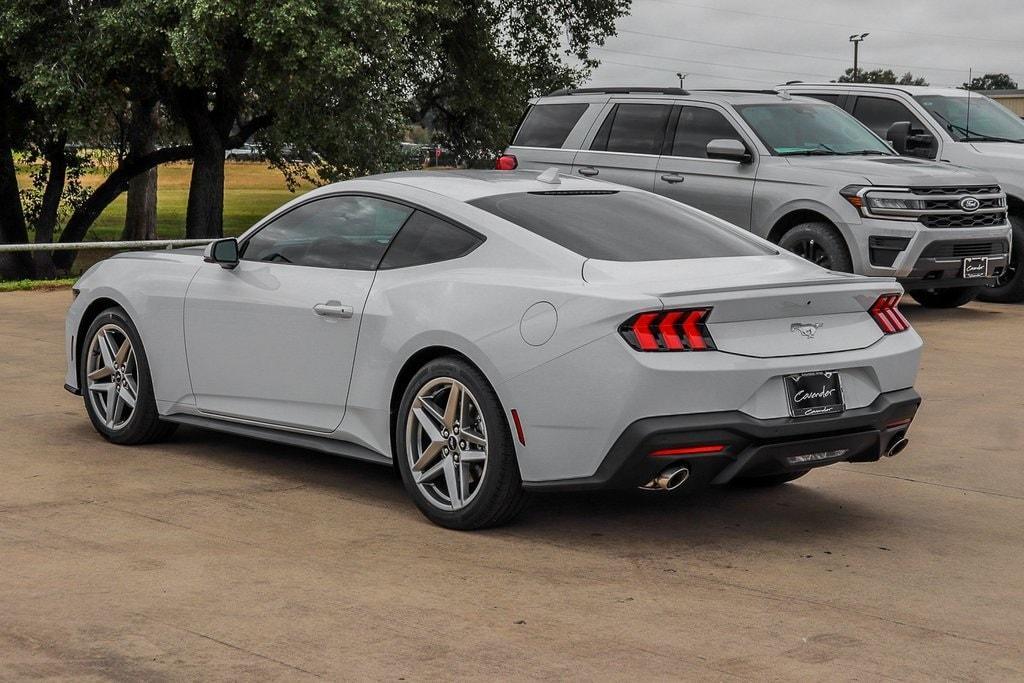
x=81, y=246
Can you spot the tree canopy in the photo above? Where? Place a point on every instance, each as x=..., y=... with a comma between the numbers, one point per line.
x=991, y=82
x=325, y=87
x=881, y=76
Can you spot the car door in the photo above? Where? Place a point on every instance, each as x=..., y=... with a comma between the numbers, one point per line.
x=273, y=340
x=626, y=146
x=722, y=187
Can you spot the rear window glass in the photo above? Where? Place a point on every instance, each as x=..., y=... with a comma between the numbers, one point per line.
x=548, y=125
x=620, y=226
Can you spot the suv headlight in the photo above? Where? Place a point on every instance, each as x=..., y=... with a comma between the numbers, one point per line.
x=886, y=207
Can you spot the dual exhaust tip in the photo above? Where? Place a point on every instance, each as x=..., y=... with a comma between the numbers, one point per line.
x=674, y=476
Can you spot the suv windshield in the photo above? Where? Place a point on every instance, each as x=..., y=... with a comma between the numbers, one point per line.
x=621, y=226
x=806, y=128
x=989, y=121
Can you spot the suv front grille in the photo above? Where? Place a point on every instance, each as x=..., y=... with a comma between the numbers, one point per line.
x=954, y=204
x=970, y=189
x=964, y=220
x=965, y=249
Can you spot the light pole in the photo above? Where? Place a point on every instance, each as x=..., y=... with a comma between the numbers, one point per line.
x=681, y=76
x=855, y=39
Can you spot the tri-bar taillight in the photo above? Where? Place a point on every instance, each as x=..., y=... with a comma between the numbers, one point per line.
x=887, y=314
x=681, y=329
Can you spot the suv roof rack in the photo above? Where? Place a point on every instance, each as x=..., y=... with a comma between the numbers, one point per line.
x=793, y=82
x=616, y=91
x=767, y=91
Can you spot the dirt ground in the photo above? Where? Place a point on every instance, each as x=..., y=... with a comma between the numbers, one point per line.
x=217, y=557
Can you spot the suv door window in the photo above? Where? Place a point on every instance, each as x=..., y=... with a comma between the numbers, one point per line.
x=633, y=128
x=878, y=113
x=831, y=98
x=696, y=128
x=548, y=125
x=347, y=232
x=428, y=239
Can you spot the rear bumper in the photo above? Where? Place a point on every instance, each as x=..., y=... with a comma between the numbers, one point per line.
x=753, y=446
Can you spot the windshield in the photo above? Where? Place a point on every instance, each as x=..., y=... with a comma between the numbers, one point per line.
x=989, y=120
x=806, y=128
x=621, y=226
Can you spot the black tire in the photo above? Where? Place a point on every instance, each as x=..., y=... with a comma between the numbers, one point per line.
x=766, y=481
x=1010, y=287
x=144, y=425
x=500, y=495
x=819, y=243
x=949, y=297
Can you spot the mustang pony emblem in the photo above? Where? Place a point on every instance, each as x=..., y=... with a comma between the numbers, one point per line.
x=806, y=330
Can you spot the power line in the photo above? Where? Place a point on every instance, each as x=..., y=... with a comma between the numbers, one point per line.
x=785, y=72
x=784, y=54
x=946, y=36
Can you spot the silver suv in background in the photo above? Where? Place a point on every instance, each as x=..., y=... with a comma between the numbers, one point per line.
x=799, y=172
x=945, y=124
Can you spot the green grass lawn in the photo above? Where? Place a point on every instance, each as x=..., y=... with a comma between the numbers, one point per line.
x=251, y=191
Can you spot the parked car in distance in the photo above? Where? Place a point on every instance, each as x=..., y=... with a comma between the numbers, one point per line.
x=801, y=173
x=493, y=332
x=247, y=152
x=946, y=124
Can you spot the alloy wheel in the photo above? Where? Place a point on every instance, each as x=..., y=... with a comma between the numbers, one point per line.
x=812, y=251
x=446, y=443
x=111, y=376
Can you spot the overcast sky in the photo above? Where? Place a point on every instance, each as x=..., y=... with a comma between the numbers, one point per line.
x=730, y=43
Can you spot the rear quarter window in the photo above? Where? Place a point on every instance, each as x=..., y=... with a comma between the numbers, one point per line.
x=548, y=125
x=621, y=226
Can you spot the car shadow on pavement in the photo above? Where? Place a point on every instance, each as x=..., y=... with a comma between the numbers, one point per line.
x=798, y=515
x=970, y=313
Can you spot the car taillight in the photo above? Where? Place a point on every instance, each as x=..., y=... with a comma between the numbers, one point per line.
x=886, y=313
x=506, y=162
x=674, y=330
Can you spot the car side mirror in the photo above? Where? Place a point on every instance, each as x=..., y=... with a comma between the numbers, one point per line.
x=733, y=150
x=897, y=135
x=223, y=252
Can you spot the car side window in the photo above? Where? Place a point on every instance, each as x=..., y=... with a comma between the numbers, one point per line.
x=348, y=232
x=878, y=113
x=831, y=98
x=428, y=239
x=633, y=128
x=548, y=125
x=696, y=128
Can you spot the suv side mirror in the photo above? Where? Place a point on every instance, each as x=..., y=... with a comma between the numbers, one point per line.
x=733, y=150
x=908, y=140
x=897, y=135
x=223, y=252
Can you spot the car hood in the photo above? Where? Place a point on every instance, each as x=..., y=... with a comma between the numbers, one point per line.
x=898, y=171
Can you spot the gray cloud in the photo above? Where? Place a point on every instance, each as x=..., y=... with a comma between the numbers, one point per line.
x=747, y=44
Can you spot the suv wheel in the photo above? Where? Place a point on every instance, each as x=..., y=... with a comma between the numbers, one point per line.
x=1009, y=288
x=819, y=243
x=949, y=297
x=454, y=448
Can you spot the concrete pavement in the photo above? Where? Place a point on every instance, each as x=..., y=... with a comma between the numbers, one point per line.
x=219, y=557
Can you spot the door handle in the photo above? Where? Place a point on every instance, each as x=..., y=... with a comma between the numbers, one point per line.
x=333, y=309
x=588, y=171
x=672, y=177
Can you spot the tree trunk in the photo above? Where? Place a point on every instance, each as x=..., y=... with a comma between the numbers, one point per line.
x=140, y=214
x=205, y=216
x=12, y=217
x=109, y=190
x=49, y=213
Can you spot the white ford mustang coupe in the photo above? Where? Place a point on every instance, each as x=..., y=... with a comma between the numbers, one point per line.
x=495, y=332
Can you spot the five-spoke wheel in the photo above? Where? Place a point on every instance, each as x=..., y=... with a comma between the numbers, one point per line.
x=455, y=448
x=115, y=381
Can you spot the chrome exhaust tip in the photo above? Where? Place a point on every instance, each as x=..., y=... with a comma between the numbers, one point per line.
x=897, y=446
x=670, y=479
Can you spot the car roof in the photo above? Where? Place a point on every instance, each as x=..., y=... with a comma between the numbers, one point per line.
x=469, y=184
x=721, y=96
x=908, y=89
